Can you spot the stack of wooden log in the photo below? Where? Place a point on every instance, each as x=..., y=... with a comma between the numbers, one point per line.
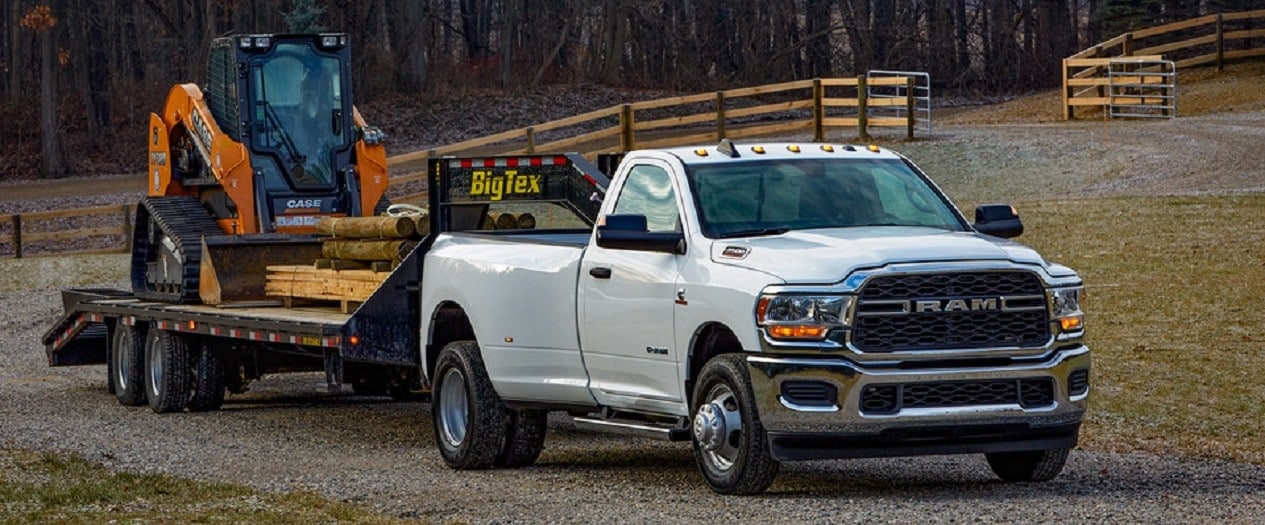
x=357, y=255
x=509, y=221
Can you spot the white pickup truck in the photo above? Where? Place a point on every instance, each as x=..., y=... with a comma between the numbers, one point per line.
x=770, y=303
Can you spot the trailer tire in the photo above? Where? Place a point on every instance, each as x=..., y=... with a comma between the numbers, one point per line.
x=524, y=438
x=730, y=445
x=468, y=416
x=208, y=378
x=168, y=372
x=1031, y=465
x=127, y=364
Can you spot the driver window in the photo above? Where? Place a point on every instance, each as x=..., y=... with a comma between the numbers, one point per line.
x=648, y=191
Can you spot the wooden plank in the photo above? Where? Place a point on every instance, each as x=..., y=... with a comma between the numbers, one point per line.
x=674, y=121
x=888, y=121
x=887, y=81
x=559, y=145
x=1087, y=62
x=887, y=101
x=311, y=272
x=1173, y=46
x=841, y=122
x=674, y=101
x=72, y=212
x=841, y=102
x=1095, y=81
x=1088, y=101
x=411, y=177
x=1245, y=33
x=839, y=82
x=769, y=88
x=29, y=237
x=1243, y=15
x=1175, y=26
x=1212, y=57
x=771, y=129
x=577, y=119
x=697, y=138
x=768, y=108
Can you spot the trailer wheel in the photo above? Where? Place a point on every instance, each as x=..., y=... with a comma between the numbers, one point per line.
x=730, y=444
x=524, y=438
x=127, y=364
x=1032, y=465
x=468, y=415
x=168, y=372
x=208, y=378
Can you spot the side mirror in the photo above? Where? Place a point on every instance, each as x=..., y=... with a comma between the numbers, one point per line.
x=998, y=220
x=628, y=232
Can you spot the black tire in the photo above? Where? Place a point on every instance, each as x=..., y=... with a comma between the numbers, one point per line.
x=168, y=372
x=127, y=364
x=208, y=377
x=524, y=438
x=469, y=417
x=732, y=460
x=1032, y=465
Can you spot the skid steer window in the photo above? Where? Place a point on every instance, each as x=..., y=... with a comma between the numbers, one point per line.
x=298, y=101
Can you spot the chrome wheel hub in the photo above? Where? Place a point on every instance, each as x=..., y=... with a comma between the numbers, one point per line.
x=709, y=427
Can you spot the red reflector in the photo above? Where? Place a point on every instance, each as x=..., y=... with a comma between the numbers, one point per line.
x=560, y=160
x=467, y=163
x=590, y=179
x=489, y=163
x=512, y=162
x=536, y=161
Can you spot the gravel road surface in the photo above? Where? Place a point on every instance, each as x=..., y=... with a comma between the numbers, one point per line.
x=288, y=434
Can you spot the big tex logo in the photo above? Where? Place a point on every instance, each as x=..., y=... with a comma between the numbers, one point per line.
x=496, y=186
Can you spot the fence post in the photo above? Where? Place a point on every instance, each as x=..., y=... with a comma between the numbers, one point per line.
x=17, y=236
x=1067, y=93
x=720, y=115
x=626, y=128
x=819, y=111
x=910, y=117
x=862, y=119
x=1220, y=45
x=1126, y=47
x=531, y=140
x=127, y=228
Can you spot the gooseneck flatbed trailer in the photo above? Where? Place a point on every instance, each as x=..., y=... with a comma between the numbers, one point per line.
x=375, y=348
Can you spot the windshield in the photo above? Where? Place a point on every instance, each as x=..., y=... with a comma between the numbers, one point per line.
x=299, y=98
x=762, y=198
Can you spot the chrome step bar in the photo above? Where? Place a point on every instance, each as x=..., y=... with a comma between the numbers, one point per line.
x=639, y=429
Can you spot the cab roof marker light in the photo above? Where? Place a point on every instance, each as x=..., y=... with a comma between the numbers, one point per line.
x=759, y=150
x=827, y=148
x=849, y=147
x=793, y=148
x=700, y=152
x=874, y=148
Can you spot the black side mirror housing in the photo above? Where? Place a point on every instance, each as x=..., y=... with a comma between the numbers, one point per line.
x=628, y=232
x=998, y=220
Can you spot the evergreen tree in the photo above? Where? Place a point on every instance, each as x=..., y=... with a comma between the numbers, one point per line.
x=1114, y=17
x=305, y=17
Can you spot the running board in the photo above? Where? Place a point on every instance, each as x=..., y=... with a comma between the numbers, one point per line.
x=646, y=430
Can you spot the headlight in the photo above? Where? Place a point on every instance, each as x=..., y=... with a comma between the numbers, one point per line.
x=1067, y=309
x=802, y=317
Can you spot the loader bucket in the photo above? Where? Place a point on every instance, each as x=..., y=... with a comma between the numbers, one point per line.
x=235, y=267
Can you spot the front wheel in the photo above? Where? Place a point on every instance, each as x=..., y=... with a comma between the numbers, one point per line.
x=469, y=418
x=1032, y=465
x=730, y=444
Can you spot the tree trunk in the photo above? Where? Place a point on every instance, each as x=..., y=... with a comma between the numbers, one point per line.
x=50, y=145
x=15, y=54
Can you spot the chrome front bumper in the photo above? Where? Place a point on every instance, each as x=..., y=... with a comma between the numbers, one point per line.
x=842, y=429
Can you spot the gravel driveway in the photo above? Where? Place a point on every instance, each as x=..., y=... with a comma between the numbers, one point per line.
x=288, y=434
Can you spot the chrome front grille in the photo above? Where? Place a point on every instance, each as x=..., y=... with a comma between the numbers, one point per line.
x=962, y=310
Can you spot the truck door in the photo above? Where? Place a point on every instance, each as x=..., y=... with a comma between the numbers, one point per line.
x=627, y=298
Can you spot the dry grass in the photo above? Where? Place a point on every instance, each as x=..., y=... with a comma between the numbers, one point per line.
x=50, y=488
x=1174, y=286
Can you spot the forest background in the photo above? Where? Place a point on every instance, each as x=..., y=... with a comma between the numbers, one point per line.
x=79, y=77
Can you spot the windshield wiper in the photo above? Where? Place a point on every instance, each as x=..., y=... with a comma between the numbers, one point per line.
x=755, y=232
x=296, y=160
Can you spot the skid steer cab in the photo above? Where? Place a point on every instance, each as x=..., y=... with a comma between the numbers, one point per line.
x=269, y=145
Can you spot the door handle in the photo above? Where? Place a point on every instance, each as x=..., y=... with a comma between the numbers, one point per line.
x=600, y=272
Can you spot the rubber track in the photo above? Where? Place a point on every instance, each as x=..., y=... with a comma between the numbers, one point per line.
x=185, y=221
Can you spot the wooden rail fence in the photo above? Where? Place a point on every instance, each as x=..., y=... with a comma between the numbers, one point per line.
x=817, y=106
x=108, y=230
x=1211, y=39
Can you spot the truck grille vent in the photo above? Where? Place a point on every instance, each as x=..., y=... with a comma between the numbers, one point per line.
x=810, y=393
x=986, y=316
x=1078, y=383
x=891, y=399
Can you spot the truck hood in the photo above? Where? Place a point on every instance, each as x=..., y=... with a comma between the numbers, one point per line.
x=828, y=256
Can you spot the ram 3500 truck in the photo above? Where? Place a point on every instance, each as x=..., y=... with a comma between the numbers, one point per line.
x=771, y=302
x=767, y=302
